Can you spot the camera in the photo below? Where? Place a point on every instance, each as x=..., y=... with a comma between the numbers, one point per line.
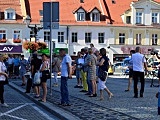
x=154, y=52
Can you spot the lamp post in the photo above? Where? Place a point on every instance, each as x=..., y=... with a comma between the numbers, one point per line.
x=35, y=29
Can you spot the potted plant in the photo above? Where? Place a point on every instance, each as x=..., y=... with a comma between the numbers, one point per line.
x=17, y=40
x=3, y=40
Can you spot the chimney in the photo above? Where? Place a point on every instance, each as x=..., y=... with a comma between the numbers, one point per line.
x=81, y=1
x=113, y=1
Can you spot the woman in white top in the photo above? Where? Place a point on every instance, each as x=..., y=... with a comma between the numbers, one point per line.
x=3, y=76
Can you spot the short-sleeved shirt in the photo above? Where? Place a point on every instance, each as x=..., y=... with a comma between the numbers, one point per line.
x=10, y=60
x=16, y=62
x=23, y=64
x=138, y=62
x=36, y=63
x=64, y=67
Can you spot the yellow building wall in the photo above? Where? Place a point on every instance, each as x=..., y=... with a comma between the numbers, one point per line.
x=142, y=37
x=154, y=31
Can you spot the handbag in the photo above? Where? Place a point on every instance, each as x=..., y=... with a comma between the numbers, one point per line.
x=102, y=74
x=6, y=81
x=46, y=74
x=37, y=78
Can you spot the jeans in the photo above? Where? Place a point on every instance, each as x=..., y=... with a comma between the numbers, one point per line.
x=89, y=82
x=137, y=75
x=64, y=90
x=1, y=92
x=55, y=77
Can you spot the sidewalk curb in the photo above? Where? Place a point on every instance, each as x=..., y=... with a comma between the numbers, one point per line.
x=50, y=107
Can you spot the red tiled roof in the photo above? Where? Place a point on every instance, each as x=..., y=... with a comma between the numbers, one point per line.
x=14, y=4
x=112, y=12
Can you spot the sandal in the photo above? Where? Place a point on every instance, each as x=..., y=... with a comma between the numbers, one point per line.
x=41, y=100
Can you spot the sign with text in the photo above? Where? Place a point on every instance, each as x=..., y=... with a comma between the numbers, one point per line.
x=10, y=48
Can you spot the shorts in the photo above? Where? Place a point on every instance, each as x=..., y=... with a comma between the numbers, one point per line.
x=43, y=79
x=101, y=84
x=22, y=73
x=78, y=74
x=130, y=73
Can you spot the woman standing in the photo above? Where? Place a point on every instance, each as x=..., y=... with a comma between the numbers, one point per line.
x=103, y=65
x=3, y=77
x=44, y=66
x=92, y=60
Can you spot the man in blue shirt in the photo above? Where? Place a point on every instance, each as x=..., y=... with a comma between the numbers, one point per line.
x=66, y=72
x=23, y=66
x=16, y=63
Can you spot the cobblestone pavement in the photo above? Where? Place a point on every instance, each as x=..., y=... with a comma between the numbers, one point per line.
x=21, y=108
x=121, y=107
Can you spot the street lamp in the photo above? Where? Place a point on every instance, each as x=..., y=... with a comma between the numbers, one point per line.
x=35, y=29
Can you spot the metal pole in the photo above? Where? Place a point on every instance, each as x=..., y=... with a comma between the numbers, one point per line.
x=51, y=51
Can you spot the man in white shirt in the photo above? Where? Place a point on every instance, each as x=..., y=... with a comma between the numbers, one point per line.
x=66, y=72
x=139, y=63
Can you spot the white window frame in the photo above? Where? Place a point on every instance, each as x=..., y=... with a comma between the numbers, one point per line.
x=139, y=18
x=154, y=18
x=80, y=16
x=74, y=37
x=10, y=14
x=3, y=34
x=88, y=37
x=122, y=38
x=60, y=37
x=46, y=35
x=95, y=16
x=154, y=39
x=101, y=38
x=138, y=39
x=16, y=34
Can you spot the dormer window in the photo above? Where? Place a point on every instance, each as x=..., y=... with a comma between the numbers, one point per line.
x=10, y=14
x=95, y=14
x=95, y=17
x=80, y=16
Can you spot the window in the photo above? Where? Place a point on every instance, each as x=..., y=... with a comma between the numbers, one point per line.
x=10, y=15
x=31, y=34
x=95, y=17
x=87, y=37
x=41, y=12
x=154, y=39
x=121, y=38
x=138, y=39
x=80, y=16
x=2, y=34
x=74, y=37
x=101, y=37
x=60, y=37
x=16, y=34
x=154, y=17
x=138, y=18
x=113, y=1
x=128, y=19
x=46, y=36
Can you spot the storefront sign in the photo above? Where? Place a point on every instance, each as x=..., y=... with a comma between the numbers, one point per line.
x=10, y=48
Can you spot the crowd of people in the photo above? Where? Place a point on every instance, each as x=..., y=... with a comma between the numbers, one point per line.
x=89, y=63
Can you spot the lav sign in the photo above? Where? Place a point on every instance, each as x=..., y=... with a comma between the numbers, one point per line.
x=6, y=49
x=10, y=48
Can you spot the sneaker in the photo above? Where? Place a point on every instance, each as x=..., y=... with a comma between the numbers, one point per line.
x=4, y=105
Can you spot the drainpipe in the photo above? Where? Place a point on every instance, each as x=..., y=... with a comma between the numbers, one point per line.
x=68, y=42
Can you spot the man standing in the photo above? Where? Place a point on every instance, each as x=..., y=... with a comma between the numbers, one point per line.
x=66, y=72
x=23, y=66
x=139, y=63
x=10, y=65
x=16, y=64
